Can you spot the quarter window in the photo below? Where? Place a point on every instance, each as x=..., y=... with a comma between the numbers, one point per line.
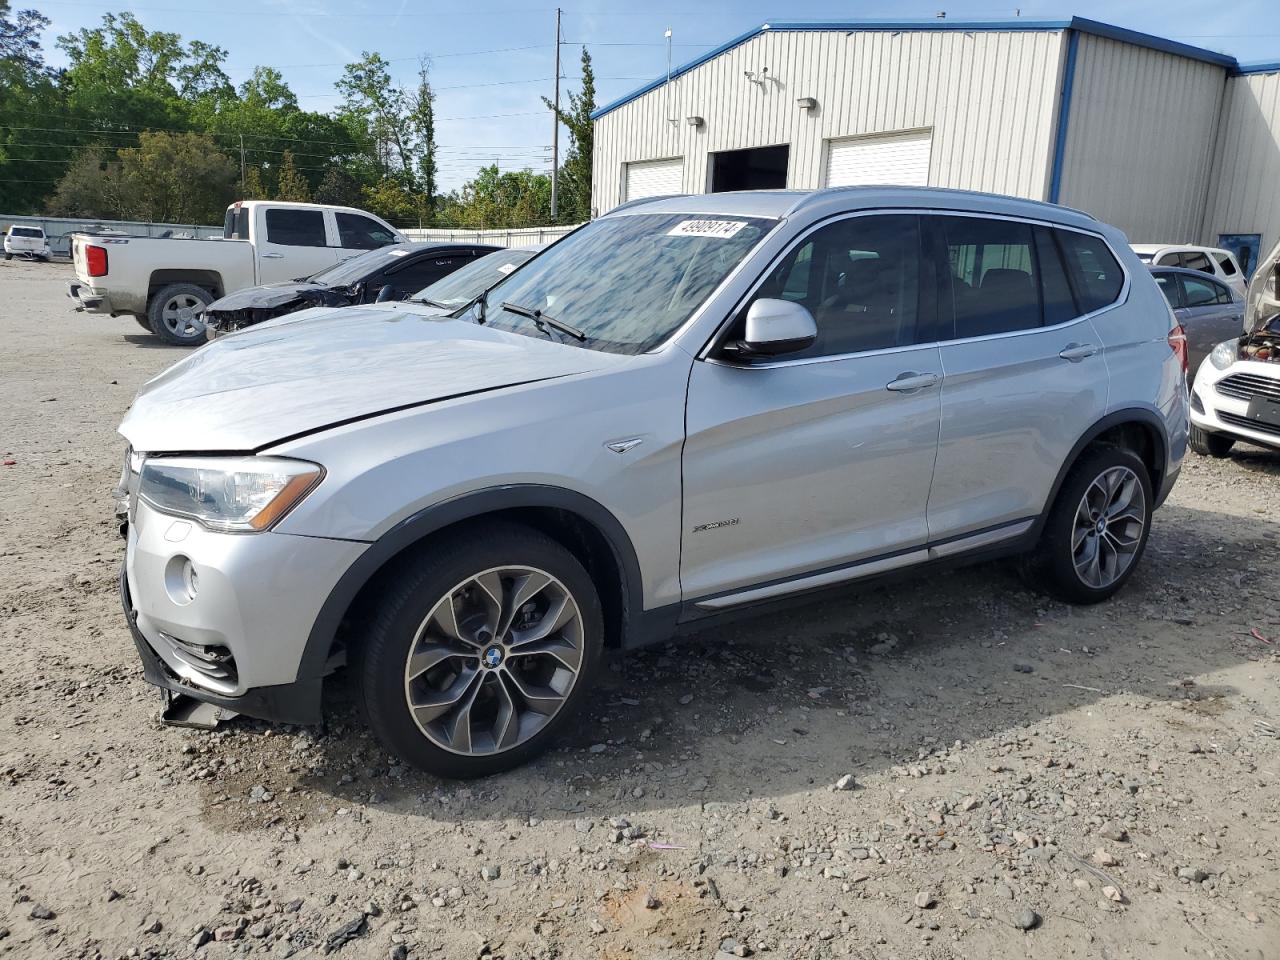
x=360, y=233
x=1226, y=263
x=1094, y=272
x=296, y=228
x=859, y=277
x=1195, y=260
x=1168, y=284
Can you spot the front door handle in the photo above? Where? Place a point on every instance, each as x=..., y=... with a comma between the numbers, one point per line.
x=272, y=256
x=911, y=382
x=1075, y=352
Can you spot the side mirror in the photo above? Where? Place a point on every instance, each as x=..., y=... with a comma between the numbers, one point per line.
x=775, y=327
x=387, y=292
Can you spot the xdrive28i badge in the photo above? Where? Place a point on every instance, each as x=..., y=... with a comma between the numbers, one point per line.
x=716, y=525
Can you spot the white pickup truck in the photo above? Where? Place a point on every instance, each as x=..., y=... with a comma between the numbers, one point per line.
x=165, y=283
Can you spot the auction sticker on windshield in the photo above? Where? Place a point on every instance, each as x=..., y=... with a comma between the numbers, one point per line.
x=723, y=229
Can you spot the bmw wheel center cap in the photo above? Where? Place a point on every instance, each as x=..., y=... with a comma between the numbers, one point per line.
x=493, y=656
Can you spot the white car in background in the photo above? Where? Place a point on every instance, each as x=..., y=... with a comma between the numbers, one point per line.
x=1211, y=260
x=1236, y=395
x=29, y=242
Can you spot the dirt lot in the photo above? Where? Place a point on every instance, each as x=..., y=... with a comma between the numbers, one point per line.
x=1105, y=778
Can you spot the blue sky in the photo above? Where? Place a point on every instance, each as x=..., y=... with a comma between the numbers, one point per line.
x=489, y=102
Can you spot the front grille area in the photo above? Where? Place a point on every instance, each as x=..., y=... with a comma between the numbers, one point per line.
x=1238, y=421
x=1246, y=386
x=214, y=662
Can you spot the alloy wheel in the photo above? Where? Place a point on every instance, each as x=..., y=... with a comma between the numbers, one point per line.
x=1108, y=527
x=183, y=315
x=494, y=660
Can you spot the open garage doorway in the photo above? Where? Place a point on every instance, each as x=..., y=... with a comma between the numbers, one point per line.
x=758, y=168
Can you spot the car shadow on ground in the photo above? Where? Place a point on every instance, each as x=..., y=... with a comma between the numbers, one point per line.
x=857, y=682
x=151, y=342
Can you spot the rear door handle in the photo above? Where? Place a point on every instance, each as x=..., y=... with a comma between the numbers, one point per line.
x=911, y=382
x=1075, y=352
x=272, y=256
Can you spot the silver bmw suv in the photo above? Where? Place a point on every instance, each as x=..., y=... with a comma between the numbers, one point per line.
x=687, y=407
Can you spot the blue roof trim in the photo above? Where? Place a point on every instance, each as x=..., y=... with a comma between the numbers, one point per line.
x=1064, y=116
x=1248, y=69
x=1082, y=24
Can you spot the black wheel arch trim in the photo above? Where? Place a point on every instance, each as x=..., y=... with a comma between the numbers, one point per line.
x=1136, y=415
x=419, y=526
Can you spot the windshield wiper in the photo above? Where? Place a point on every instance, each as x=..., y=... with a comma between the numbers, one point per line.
x=429, y=302
x=542, y=320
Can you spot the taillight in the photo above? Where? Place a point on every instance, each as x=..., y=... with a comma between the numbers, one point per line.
x=96, y=260
x=1178, y=344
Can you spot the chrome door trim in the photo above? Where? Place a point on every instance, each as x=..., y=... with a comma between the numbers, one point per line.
x=868, y=568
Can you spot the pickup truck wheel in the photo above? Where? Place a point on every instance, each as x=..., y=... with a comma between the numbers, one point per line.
x=1096, y=530
x=176, y=314
x=480, y=652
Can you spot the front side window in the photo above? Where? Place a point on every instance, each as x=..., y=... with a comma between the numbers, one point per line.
x=625, y=282
x=859, y=278
x=296, y=228
x=360, y=233
x=1094, y=272
x=991, y=277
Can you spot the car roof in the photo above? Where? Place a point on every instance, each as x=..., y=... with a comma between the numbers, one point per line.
x=1154, y=248
x=1195, y=273
x=777, y=204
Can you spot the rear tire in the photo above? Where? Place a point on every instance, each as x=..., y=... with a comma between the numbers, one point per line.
x=8, y=256
x=1210, y=444
x=481, y=650
x=1097, y=528
x=143, y=322
x=175, y=314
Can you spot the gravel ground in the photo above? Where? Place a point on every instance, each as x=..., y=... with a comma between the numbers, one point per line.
x=946, y=767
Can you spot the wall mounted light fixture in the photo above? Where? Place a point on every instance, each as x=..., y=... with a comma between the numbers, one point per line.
x=807, y=103
x=695, y=121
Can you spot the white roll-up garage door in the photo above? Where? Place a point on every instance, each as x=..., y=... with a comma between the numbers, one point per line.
x=654, y=178
x=898, y=158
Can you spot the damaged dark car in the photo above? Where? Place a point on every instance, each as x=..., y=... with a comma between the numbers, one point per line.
x=388, y=273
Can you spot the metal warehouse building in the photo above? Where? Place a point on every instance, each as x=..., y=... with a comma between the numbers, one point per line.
x=1169, y=142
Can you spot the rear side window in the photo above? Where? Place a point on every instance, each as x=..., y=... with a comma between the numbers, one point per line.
x=1094, y=272
x=296, y=228
x=990, y=275
x=1195, y=260
x=1168, y=285
x=360, y=233
x=1204, y=293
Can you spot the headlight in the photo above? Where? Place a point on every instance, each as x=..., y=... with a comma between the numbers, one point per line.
x=243, y=494
x=1224, y=354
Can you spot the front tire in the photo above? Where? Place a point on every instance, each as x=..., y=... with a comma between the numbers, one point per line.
x=176, y=314
x=1210, y=444
x=481, y=650
x=1097, y=528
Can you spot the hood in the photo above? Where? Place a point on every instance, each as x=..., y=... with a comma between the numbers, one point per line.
x=268, y=383
x=266, y=296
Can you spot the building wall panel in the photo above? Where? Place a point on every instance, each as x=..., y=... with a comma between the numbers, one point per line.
x=1140, y=138
x=989, y=97
x=1244, y=188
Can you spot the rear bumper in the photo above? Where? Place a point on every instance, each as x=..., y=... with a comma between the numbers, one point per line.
x=87, y=299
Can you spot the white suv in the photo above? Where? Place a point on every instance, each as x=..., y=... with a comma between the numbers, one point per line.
x=1211, y=260
x=29, y=242
x=689, y=407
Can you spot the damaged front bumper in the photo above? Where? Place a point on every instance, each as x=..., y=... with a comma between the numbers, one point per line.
x=220, y=322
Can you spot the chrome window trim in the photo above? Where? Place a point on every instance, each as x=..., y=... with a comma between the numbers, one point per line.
x=704, y=353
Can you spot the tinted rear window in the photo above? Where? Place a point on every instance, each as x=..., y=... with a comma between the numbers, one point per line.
x=25, y=232
x=296, y=228
x=1094, y=272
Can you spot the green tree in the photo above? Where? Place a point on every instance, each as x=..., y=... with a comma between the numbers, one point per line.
x=254, y=188
x=20, y=38
x=290, y=184
x=92, y=187
x=495, y=199
x=177, y=178
x=338, y=187
x=575, y=173
x=422, y=118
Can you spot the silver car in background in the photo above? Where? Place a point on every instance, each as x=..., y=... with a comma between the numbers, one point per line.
x=688, y=407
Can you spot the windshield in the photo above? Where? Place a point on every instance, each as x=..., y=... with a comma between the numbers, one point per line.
x=464, y=285
x=625, y=283
x=357, y=268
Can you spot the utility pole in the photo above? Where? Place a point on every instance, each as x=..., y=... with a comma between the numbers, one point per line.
x=242, y=171
x=555, y=131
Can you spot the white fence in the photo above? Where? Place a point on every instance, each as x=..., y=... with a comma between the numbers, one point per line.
x=521, y=237
x=59, y=229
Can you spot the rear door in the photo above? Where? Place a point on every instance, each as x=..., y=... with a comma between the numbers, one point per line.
x=1210, y=314
x=818, y=459
x=291, y=242
x=1023, y=373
